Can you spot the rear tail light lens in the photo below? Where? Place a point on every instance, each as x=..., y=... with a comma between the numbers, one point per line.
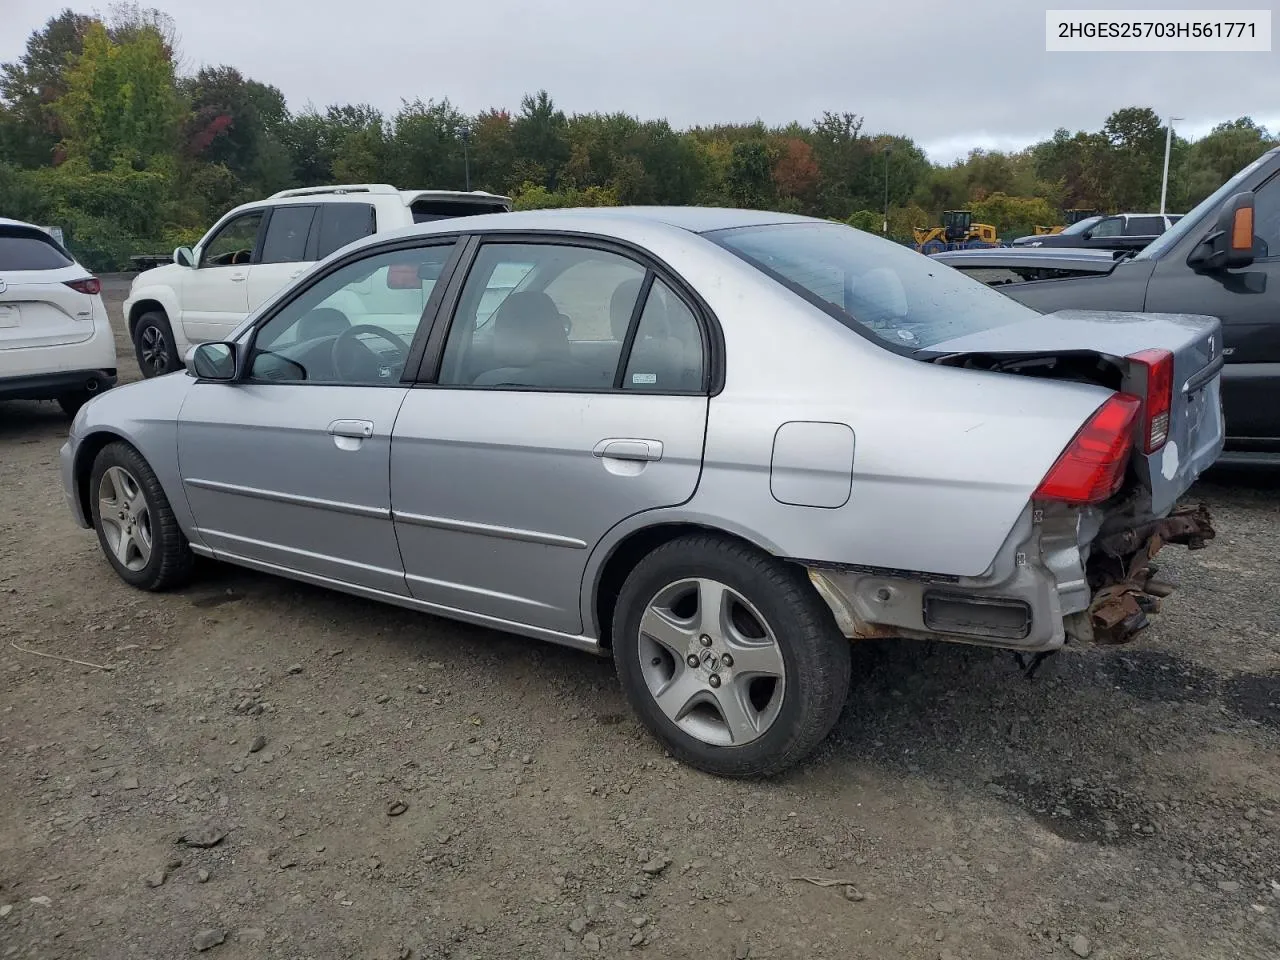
x=1092, y=467
x=1159, y=396
x=89, y=285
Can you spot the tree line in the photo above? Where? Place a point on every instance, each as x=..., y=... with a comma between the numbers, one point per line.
x=103, y=132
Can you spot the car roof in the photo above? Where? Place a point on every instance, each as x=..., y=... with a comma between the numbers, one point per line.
x=7, y=222
x=601, y=220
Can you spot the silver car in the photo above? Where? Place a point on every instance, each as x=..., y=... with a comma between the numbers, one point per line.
x=716, y=445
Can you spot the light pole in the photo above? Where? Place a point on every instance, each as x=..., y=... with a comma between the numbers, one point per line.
x=1164, y=178
x=466, y=156
x=885, y=230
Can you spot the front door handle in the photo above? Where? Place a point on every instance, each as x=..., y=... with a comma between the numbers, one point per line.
x=356, y=429
x=620, y=449
x=237, y=277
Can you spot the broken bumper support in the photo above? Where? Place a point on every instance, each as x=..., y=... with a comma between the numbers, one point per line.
x=1122, y=571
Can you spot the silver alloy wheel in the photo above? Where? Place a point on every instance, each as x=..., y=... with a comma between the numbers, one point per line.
x=155, y=349
x=125, y=518
x=711, y=662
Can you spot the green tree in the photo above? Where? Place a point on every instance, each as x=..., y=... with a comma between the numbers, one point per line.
x=29, y=86
x=121, y=106
x=426, y=146
x=750, y=179
x=540, y=136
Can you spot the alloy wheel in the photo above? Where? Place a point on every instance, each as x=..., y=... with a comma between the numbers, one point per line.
x=125, y=518
x=711, y=662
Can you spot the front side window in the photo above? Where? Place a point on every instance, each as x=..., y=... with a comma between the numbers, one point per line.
x=541, y=315
x=1110, y=227
x=233, y=245
x=353, y=326
x=871, y=285
x=287, y=233
x=1266, y=218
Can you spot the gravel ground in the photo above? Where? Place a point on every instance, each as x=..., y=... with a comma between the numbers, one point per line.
x=376, y=783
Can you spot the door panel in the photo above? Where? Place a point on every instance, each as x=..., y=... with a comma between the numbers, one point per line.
x=268, y=479
x=499, y=496
x=215, y=297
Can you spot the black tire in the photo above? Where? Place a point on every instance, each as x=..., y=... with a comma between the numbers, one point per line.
x=815, y=656
x=170, y=561
x=73, y=401
x=153, y=345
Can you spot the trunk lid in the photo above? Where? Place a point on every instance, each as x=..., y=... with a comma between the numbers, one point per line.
x=1096, y=346
x=38, y=309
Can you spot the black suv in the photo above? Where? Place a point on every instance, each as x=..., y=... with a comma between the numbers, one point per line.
x=1124, y=231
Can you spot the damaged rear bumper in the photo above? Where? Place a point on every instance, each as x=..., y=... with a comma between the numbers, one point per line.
x=1122, y=574
x=1061, y=574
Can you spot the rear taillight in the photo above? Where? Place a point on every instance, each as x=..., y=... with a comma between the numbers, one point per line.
x=89, y=285
x=1158, y=399
x=1091, y=469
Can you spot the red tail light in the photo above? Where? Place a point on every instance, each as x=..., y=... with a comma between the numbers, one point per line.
x=1091, y=469
x=1159, y=396
x=89, y=285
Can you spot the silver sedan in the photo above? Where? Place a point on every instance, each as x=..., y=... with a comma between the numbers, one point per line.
x=715, y=445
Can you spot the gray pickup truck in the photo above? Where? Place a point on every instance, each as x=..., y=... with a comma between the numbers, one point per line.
x=1221, y=259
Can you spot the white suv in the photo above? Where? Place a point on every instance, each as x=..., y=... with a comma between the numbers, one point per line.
x=55, y=339
x=257, y=248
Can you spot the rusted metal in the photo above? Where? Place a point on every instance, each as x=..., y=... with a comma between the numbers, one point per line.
x=1121, y=571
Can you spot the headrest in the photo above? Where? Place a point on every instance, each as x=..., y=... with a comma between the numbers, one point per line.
x=527, y=326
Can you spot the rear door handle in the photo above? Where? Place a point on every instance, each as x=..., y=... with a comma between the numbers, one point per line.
x=356, y=429
x=621, y=449
x=237, y=277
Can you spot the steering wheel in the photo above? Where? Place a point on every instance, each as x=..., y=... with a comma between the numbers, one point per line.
x=363, y=364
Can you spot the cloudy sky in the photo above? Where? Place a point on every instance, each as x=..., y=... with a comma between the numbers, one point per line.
x=952, y=74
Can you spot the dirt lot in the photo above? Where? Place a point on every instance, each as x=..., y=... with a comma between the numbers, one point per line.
x=1124, y=804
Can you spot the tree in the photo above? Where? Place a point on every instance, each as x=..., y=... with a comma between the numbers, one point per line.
x=121, y=105
x=30, y=85
x=426, y=145
x=539, y=135
x=750, y=180
x=795, y=171
x=1137, y=139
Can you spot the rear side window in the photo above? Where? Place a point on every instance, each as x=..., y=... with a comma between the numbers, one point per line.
x=287, y=233
x=343, y=223
x=1145, y=226
x=22, y=248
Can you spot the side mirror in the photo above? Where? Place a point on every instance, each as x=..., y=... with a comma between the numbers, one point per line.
x=213, y=361
x=1230, y=243
x=183, y=257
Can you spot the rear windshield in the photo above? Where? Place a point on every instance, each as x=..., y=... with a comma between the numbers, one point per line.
x=873, y=286
x=424, y=211
x=22, y=248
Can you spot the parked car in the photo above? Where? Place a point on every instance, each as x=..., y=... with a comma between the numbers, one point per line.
x=55, y=338
x=1221, y=259
x=580, y=426
x=1123, y=231
x=257, y=248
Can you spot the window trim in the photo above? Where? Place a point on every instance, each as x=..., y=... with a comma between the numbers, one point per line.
x=249, y=336
x=306, y=246
x=709, y=329
x=255, y=256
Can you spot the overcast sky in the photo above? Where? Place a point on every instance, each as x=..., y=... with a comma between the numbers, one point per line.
x=952, y=74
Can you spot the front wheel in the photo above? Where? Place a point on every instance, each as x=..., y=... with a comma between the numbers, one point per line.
x=137, y=529
x=728, y=656
x=153, y=345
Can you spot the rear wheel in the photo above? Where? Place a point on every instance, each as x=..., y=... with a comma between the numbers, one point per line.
x=153, y=345
x=728, y=656
x=137, y=529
